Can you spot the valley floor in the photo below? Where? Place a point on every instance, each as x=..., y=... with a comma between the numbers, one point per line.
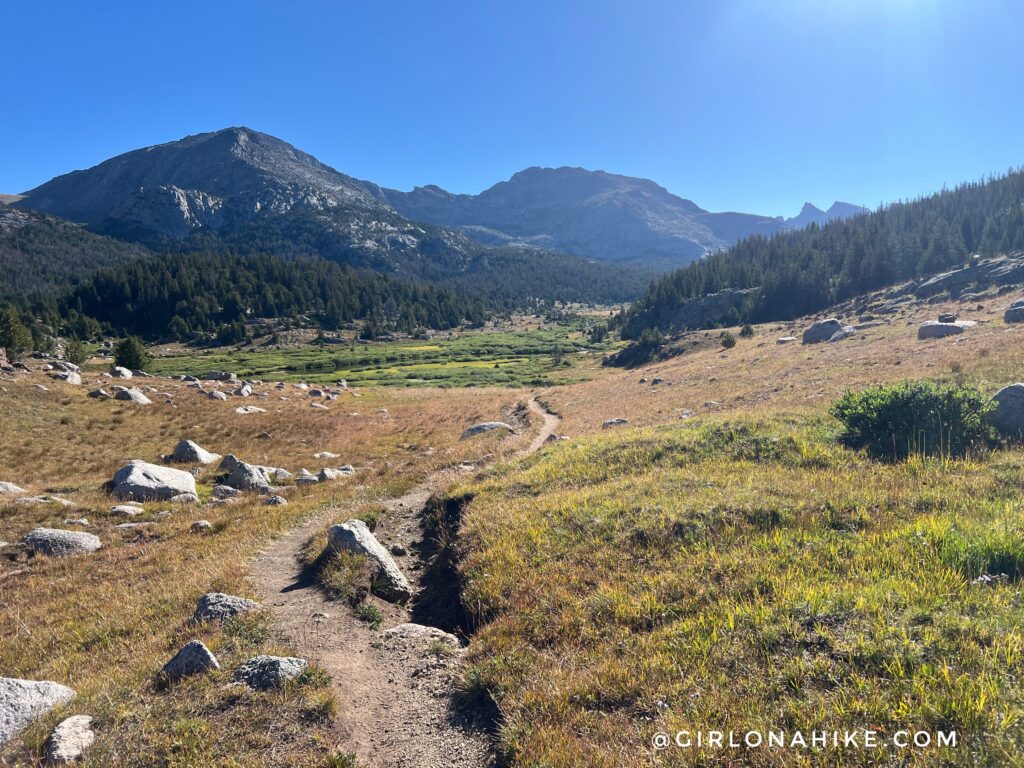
x=718, y=562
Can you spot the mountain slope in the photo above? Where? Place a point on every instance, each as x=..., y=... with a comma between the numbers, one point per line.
x=591, y=213
x=39, y=252
x=796, y=273
x=241, y=192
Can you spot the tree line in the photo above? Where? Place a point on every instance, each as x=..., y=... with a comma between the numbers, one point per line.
x=798, y=273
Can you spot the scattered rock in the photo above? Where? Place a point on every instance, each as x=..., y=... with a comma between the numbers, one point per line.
x=355, y=536
x=250, y=409
x=267, y=672
x=243, y=391
x=118, y=372
x=81, y=521
x=325, y=455
x=217, y=606
x=100, y=394
x=10, y=489
x=398, y=550
x=69, y=740
x=486, y=426
x=184, y=498
x=616, y=422
x=1008, y=416
x=276, y=501
x=245, y=477
x=330, y=473
x=22, y=701
x=823, y=330
x=319, y=406
x=132, y=395
x=54, y=542
x=68, y=377
x=422, y=634
x=193, y=659
x=127, y=509
x=219, y=376
x=1015, y=312
x=140, y=481
x=189, y=452
x=201, y=526
x=225, y=492
x=843, y=333
x=216, y=394
x=44, y=499
x=932, y=329
x=947, y=317
x=657, y=380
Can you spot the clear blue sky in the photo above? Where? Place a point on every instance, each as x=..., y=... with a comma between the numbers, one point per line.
x=739, y=105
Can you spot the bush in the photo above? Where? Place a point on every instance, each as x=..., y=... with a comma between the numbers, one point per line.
x=747, y=331
x=918, y=417
x=728, y=340
x=75, y=352
x=130, y=353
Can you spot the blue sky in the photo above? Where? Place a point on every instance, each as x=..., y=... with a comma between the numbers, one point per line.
x=738, y=105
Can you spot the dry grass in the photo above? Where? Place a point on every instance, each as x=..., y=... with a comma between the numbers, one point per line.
x=105, y=623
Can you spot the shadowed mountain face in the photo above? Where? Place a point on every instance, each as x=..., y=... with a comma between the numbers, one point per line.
x=592, y=213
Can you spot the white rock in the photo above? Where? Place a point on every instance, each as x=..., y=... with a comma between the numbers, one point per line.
x=132, y=395
x=355, y=536
x=217, y=606
x=118, y=372
x=22, y=701
x=54, y=542
x=266, y=672
x=250, y=409
x=193, y=659
x=127, y=509
x=486, y=426
x=69, y=740
x=189, y=452
x=10, y=489
x=421, y=633
x=141, y=481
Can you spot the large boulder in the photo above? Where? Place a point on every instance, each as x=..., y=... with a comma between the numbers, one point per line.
x=486, y=426
x=933, y=329
x=1015, y=312
x=267, y=672
x=1008, y=415
x=217, y=606
x=140, y=481
x=823, y=330
x=216, y=394
x=189, y=452
x=355, y=536
x=117, y=372
x=68, y=377
x=55, y=542
x=247, y=477
x=843, y=333
x=22, y=701
x=69, y=740
x=132, y=396
x=193, y=659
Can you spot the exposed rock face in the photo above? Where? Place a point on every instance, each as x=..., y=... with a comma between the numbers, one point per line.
x=140, y=481
x=132, y=395
x=193, y=659
x=823, y=330
x=355, y=536
x=267, y=672
x=486, y=426
x=1008, y=416
x=22, y=701
x=54, y=542
x=217, y=606
x=189, y=452
x=843, y=333
x=1014, y=313
x=1001, y=271
x=69, y=740
x=933, y=329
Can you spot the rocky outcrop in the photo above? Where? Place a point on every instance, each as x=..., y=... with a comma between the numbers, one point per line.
x=354, y=536
x=1015, y=312
x=23, y=701
x=140, y=481
x=1006, y=270
x=54, y=542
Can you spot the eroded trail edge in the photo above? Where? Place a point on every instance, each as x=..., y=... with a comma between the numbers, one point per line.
x=395, y=696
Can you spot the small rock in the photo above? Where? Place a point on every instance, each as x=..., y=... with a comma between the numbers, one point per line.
x=250, y=409
x=118, y=372
x=54, y=542
x=68, y=377
x=355, y=536
x=616, y=422
x=100, y=394
x=421, y=634
x=217, y=606
x=201, y=526
x=267, y=672
x=10, y=489
x=225, y=492
x=127, y=509
x=325, y=455
x=785, y=340
x=132, y=395
x=193, y=659
x=276, y=501
x=69, y=740
x=486, y=426
x=931, y=329
x=216, y=394
x=823, y=330
x=189, y=452
x=398, y=550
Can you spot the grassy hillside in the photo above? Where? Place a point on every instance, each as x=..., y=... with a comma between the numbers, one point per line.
x=745, y=573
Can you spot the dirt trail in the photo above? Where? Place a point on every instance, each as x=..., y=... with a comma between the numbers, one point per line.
x=396, y=708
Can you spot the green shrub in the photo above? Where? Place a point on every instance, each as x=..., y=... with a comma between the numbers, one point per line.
x=914, y=417
x=75, y=352
x=728, y=340
x=130, y=353
x=747, y=331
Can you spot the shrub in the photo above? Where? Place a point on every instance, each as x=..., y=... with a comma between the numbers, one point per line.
x=728, y=340
x=747, y=331
x=130, y=353
x=75, y=352
x=914, y=417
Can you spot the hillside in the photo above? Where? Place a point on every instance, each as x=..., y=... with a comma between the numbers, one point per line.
x=595, y=214
x=243, y=192
x=39, y=253
x=796, y=273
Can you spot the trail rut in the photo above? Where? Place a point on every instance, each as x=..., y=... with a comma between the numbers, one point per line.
x=396, y=705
